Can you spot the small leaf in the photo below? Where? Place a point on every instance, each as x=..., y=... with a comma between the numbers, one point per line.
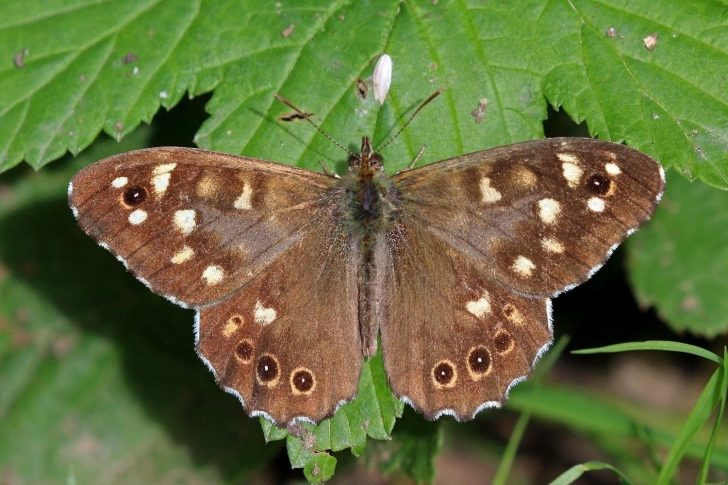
x=664, y=346
x=575, y=472
x=320, y=469
x=416, y=444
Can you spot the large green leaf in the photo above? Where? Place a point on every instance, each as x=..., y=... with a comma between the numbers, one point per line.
x=679, y=261
x=82, y=66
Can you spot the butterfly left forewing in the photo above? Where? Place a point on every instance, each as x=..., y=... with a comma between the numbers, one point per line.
x=542, y=215
x=195, y=225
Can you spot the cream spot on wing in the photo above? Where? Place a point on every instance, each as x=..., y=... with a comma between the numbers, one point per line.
x=163, y=168
x=489, y=194
x=523, y=266
x=184, y=254
x=213, y=274
x=612, y=168
x=596, y=204
x=160, y=183
x=232, y=326
x=568, y=158
x=551, y=245
x=512, y=314
x=264, y=315
x=572, y=173
x=481, y=306
x=548, y=210
x=160, y=177
x=137, y=217
x=244, y=200
x=119, y=182
x=184, y=220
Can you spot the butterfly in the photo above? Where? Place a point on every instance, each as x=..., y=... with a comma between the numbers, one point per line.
x=298, y=276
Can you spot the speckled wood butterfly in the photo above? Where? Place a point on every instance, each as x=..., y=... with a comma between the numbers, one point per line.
x=295, y=274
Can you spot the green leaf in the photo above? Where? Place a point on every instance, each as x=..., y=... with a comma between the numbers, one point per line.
x=118, y=62
x=664, y=346
x=599, y=416
x=723, y=393
x=575, y=472
x=678, y=262
x=372, y=414
x=320, y=469
x=416, y=445
x=707, y=402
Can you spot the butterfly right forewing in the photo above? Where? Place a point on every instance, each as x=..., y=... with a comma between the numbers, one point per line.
x=543, y=215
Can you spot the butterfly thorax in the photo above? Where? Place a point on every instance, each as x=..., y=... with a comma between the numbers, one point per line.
x=367, y=204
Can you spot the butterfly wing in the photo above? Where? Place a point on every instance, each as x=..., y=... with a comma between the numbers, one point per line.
x=191, y=224
x=479, y=246
x=453, y=339
x=542, y=215
x=288, y=344
x=256, y=248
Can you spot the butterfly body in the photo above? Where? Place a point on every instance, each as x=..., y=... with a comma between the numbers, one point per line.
x=295, y=274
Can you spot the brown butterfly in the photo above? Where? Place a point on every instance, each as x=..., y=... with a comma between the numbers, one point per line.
x=295, y=274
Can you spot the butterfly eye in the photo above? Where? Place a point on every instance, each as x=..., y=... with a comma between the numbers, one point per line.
x=135, y=195
x=268, y=369
x=599, y=184
x=376, y=161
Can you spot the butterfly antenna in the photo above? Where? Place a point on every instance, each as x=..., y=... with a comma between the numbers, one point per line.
x=303, y=115
x=409, y=120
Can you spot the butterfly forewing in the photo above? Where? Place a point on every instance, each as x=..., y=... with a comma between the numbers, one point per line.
x=195, y=225
x=541, y=215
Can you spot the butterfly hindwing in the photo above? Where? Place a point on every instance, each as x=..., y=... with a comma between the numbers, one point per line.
x=542, y=215
x=195, y=225
x=288, y=343
x=467, y=337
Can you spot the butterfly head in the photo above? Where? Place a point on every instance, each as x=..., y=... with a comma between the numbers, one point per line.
x=367, y=162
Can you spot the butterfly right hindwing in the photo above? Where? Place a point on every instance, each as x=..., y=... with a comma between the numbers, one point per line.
x=453, y=339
